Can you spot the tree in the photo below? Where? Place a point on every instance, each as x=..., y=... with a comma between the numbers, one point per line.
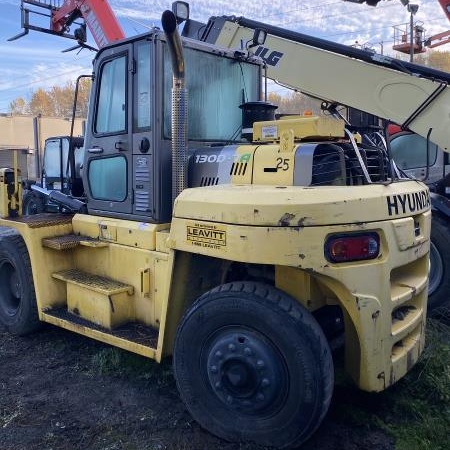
x=56, y=101
x=19, y=106
x=437, y=59
x=40, y=103
x=294, y=103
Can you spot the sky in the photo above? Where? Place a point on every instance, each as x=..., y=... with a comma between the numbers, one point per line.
x=36, y=61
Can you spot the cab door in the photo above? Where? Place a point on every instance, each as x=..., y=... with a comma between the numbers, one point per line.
x=108, y=161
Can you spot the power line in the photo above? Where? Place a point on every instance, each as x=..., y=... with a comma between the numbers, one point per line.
x=309, y=20
x=302, y=8
x=56, y=66
x=39, y=80
x=371, y=30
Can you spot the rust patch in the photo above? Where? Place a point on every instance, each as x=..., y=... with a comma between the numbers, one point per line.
x=301, y=222
x=285, y=220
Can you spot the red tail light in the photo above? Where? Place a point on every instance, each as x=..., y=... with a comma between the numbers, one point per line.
x=352, y=247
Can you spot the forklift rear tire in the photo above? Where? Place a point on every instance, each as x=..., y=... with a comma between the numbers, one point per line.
x=18, y=307
x=252, y=364
x=32, y=204
x=439, y=281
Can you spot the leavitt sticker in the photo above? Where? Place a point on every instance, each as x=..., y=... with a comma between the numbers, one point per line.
x=207, y=236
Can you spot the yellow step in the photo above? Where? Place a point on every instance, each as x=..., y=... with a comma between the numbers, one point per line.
x=98, y=299
x=97, y=283
x=68, y=241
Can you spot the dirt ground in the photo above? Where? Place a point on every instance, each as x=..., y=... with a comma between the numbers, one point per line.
x=59, y=390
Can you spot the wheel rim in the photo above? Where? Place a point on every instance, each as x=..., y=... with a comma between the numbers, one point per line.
x=10, y=294
x=245, y=371
x=31, y=207
x=436, y=269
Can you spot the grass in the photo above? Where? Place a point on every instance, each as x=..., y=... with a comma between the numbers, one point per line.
x=421, y=404
x=114, y=361
x=416, y=411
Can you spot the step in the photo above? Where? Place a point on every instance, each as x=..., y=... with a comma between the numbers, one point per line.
x=98, y=299
x=132, y=336
x=69, y=241
x=97, y=283
x=45, y=220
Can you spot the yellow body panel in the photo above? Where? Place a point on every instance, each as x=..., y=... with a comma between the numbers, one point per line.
x=297, y=206
x=10, y=194
x=301, y=127
x=273, y=167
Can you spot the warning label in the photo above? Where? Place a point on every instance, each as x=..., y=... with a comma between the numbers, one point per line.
x=269, y=132
x=209, y=236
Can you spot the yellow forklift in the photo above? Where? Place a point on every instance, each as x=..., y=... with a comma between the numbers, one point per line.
x=242, y=255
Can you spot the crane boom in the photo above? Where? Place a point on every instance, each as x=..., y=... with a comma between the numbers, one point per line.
x=415, y=96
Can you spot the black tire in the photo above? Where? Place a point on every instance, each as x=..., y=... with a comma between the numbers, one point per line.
x=32, y=203
x=439, y=281
x=252, y=364
x=18, y=308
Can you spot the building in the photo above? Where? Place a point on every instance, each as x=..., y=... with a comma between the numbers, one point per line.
x=26, y=135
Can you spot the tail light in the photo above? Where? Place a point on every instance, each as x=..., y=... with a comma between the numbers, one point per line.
x=352, y=247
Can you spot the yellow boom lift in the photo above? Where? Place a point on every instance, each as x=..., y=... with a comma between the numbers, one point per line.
x=243, y=260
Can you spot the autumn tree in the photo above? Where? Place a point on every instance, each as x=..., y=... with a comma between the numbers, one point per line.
x=55, y=102
x=437, y=59
x=294, y=103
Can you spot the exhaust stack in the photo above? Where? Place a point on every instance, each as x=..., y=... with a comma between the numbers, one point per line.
x=179, y=104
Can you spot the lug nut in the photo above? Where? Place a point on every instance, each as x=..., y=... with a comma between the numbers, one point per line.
x=213, y=369
x=260, y=363
x=231, y=347
x=265, y=382
x=248, y=351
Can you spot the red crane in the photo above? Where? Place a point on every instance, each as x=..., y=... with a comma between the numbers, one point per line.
x=96, y=15
x=444, y=37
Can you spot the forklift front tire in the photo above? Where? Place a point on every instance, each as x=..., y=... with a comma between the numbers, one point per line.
x=18, y=307
x=252, y=364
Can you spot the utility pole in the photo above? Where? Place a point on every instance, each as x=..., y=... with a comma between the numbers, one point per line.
x=412, y=9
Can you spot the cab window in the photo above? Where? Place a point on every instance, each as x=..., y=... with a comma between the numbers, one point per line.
x=111, y=109
x=409, y=151
x=108, y=178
